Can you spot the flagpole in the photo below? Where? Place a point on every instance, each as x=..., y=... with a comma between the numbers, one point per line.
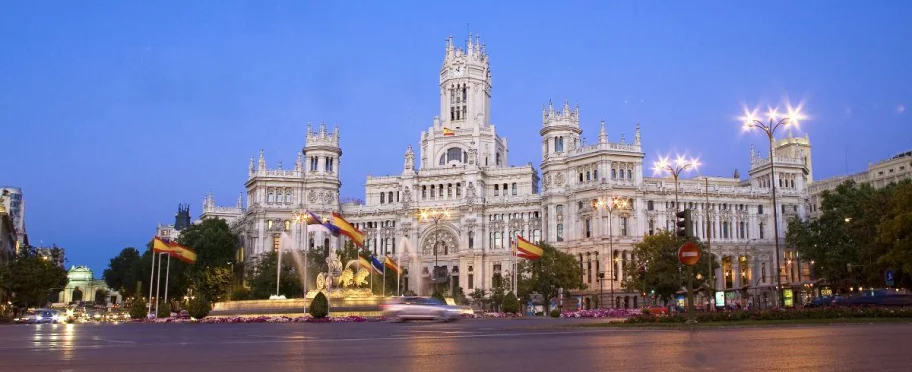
x=151, y=278
x=305, y=234
x=515, y=247
x=158, y=282
x=167, y=276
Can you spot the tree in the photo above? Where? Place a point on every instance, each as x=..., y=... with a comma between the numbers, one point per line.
x=319, y=307
x=498, y=292
x=511, y=303
x=478, y=298
x=122, y=272
x=30, y=278
x=547, y=275
x=655, y=266
x=262, y=279
x=215, y=246
x=895, y=230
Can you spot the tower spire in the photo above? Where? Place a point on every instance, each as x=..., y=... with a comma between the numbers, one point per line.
x=603, y=136
x=261, y=164
x=636, y=135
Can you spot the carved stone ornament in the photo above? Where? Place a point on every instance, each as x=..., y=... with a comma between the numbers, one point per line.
x=447, y=242
x=470, y=193
x=312, y=196
x=470, y=224
x=559, y=179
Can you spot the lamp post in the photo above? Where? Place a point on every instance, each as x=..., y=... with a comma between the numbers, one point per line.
x=300, y=221
x=775, y=121
x=601, y=279
x=679, y=166
x=435, y=215
x=610, y=204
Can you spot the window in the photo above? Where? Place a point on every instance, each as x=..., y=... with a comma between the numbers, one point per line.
x=287, y=225
x=629, y=174
x=471, y=281
x=560, y=232
x=650, y=206
x=614, y=174
x=514, y=188
x=288, y=198
x=449, y=190
x=382, y=198
x=761, y=230
x=498, y=240
x=743, y=233
x=268, y=224
x=423, y=192
x=588, y=228
x=559, y=209
x=763, y=272
x=725, y=230
x=622, y=174
x=497, y=158
x=558, y=144
x=651, y=227
x=760, y=209
x=588, y=176
x=458, y=190
x=471, y=240
x=329, y=164
x=313, y=163
x=496, y=190
x=276, y=240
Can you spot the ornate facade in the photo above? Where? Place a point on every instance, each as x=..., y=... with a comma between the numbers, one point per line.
x=462, y=165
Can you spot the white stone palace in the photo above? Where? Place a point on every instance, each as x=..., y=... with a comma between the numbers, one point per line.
x=460, y=163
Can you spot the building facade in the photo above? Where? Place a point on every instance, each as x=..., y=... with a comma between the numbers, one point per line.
x=83, y=287
x=879, y=174
x=12, y=202
x=460, y=165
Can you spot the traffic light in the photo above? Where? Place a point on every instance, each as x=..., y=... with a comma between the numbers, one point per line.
x=684, y=224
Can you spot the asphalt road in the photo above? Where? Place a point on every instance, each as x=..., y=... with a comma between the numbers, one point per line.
x=467, y=345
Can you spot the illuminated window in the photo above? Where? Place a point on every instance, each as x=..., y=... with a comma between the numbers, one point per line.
x=276, y=240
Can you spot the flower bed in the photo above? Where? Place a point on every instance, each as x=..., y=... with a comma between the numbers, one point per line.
x=600, y=313
x=265, y=319
x=788, y=314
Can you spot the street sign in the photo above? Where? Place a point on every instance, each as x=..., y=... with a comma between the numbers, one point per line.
x=889, y=277
x=689, y=254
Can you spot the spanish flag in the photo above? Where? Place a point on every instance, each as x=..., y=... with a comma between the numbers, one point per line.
x=527, y=250
x=173, y=249
x=448, y=132
x=348, y=230
x=390, y=264
x=365, y=264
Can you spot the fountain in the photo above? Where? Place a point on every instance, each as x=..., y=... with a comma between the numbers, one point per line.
x=342, y=286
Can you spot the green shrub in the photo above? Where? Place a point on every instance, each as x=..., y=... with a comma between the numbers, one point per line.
x=199, y=307
x=319, y=307
x=138, y=309
x=164, y=310
x=555, y=313
x=774, y=314
x=438, y=295
x=241, y=294
x=511, y=303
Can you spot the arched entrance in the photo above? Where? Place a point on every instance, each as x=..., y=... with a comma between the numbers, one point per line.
x=77, y=295
x=588, y=303
x=100, y=296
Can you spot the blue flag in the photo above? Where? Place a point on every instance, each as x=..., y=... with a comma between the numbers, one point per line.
x=376, y=264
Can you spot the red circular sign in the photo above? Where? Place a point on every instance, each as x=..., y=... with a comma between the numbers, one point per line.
x=689, y=254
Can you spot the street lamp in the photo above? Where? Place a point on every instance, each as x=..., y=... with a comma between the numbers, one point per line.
x=775, y=121
x=680, y=165
x=435, y=215
x=610, y=204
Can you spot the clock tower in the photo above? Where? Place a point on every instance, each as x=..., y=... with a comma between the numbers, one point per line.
x=465, y=86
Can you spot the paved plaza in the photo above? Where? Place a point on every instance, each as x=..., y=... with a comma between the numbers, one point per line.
x=467, y=345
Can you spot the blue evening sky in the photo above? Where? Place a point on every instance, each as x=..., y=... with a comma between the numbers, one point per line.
x=114, y=113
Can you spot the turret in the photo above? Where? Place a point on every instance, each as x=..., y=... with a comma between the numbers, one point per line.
x=560, y=130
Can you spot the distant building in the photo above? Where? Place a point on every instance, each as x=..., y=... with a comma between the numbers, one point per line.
x=83, y=287
x=182, y=221
x=11, y=201
x=7, y=237
x=879, y=174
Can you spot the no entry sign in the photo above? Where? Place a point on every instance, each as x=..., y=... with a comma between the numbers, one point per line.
x=689, y=253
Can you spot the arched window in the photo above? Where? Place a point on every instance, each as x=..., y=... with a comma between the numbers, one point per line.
x=514, y=188
x=614, y=174
x=497, y=158
x=270, y=198
x=629, y=174
x=280, y=197
x=382, y=198
x=453, y=153
x=595, y=175
x=288, y=198
x=588, y=176
x=287, y=225
x=389, y=196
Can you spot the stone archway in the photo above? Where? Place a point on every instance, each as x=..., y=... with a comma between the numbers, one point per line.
x=77, y=295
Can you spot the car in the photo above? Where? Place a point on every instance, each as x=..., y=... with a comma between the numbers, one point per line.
x=656, y=309
x=876, y=297
x=39, y=316
x=407, y=308
x=824, y=301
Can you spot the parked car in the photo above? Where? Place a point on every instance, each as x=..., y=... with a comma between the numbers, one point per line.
x=876, y=297
x=39, y=316
x=405, y=308
x=824, y=301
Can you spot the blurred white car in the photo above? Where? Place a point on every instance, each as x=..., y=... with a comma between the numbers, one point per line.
x=406, y=308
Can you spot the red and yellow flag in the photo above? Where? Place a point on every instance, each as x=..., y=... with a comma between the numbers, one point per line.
x=449, y=132
x=527, y=250
x=173, y=249
x=349, y=230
